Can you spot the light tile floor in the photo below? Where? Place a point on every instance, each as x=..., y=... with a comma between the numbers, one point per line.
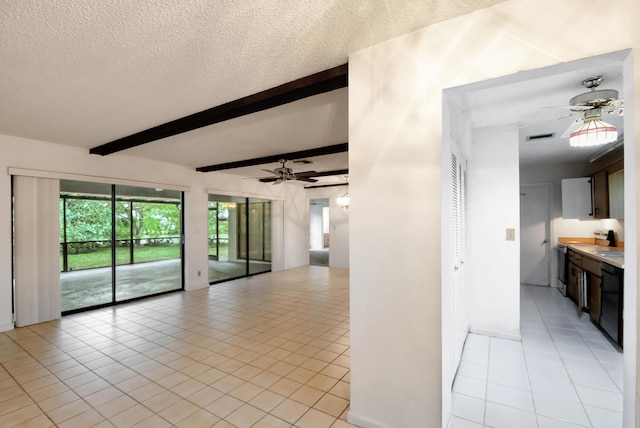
x=266, y=351
x=564, y=373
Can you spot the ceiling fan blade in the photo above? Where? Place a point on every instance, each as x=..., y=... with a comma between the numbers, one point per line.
x=574, y=125
x=549, y=120
x=272, y=172
x=278, y=181
x=307, y=179
x=570, y=107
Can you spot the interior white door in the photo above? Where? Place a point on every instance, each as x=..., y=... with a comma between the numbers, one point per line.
x=535, y=218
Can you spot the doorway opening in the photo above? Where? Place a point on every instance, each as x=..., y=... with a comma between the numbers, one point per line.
x=319, y=232
x=551, y=329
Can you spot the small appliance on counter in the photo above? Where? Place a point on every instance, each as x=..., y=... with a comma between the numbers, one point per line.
x=606, y=235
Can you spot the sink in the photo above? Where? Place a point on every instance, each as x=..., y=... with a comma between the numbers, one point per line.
x=610, y=253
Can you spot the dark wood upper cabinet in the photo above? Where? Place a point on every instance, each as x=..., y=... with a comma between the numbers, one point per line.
x=608, y=191
x=600, y=195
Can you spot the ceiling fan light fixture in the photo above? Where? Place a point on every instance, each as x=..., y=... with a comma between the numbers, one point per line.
x=594, y=131
x=343, y=201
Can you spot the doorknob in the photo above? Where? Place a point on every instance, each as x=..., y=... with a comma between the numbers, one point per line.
x=545, y=241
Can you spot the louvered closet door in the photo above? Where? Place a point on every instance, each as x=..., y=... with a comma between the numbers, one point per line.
x=37, y=249
x=459, y=209
x=458, y=247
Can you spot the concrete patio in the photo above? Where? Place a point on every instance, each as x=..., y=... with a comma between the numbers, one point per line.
x=91, y=287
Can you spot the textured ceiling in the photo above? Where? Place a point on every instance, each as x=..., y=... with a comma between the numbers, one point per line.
x=85, y=72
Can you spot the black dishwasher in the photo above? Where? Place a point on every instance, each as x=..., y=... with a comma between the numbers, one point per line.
x=612, y=299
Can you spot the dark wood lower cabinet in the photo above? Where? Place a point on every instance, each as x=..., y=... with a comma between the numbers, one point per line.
x=592, y=268
x=573, y=281
x=594, y=272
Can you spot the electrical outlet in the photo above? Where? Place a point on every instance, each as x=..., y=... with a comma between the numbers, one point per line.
x=511, y=234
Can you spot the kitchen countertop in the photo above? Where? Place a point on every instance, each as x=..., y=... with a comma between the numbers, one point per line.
x=589, y=251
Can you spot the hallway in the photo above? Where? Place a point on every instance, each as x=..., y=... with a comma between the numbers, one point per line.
x=564, y=373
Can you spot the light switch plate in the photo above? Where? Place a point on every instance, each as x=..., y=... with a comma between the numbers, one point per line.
x=511, y=234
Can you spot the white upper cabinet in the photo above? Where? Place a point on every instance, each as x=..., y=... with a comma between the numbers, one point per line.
x=576, y=198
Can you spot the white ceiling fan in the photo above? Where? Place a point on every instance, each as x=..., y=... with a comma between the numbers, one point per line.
x=590, y=105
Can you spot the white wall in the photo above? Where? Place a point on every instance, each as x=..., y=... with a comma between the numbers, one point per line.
x=289, y=251
x=394, y=176
x=339, y=223
x=395, y=116
x=494, y=205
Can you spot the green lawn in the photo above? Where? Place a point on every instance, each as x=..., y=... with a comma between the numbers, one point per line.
x=102, y=256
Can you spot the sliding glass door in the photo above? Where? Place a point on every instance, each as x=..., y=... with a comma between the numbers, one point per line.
x=148, y=241
x=85, y=245
x=118, y=243
x=235, y=225
x=259, y=242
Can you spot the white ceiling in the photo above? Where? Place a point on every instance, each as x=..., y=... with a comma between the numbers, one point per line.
x=86, y=72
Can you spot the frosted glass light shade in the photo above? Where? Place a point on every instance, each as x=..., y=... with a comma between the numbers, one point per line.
x=343, y=201
x=592, y=133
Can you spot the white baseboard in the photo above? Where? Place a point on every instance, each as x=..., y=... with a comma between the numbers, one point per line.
x=6, y=327
x=362, y=421
x=501, y=334
x=196, y=286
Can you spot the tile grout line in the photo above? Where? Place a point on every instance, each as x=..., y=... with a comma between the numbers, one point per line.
x=533, y=402
x=20, y=384
x=562, y=359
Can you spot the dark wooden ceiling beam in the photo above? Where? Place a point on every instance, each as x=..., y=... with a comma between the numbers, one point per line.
x=318, y=83
x=326, y=185
x=320, y=151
